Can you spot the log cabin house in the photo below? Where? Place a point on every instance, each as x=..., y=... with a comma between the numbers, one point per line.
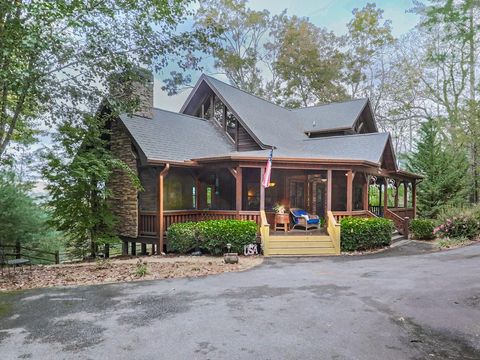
x=207, y=162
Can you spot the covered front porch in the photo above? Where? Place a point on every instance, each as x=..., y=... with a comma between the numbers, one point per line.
x=174, y=194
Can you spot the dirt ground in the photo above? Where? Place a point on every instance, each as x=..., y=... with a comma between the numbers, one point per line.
x=119, y=270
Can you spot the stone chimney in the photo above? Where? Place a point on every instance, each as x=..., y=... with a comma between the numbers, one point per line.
x=135, y=86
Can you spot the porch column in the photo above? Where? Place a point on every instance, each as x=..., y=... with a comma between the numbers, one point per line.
x=161, y=229
x=349, y=190
x=262, y=190
x=366, y=189
x=385, y=197
x=329, y=190
x=414, y=198
x=405, y=194
x=238, y=189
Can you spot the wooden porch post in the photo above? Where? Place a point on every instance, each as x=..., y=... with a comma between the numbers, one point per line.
x=405, y=194
x=262, y=190
x=414, y=198
x=366, y=189
x=329, y=190
x=161, y=229
x=385, y=196
x=238, y=190
x=349, y=191
x=396, y=193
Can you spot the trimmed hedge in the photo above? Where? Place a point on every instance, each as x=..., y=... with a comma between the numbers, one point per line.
x=422, y=229
x=365, y=233
x=211, y=236
x=182, y=237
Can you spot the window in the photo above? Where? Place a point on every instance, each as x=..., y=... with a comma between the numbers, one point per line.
x=178, y=190
x=297, y=194
x=231, y=125
x=218, y=112
x=209, y=197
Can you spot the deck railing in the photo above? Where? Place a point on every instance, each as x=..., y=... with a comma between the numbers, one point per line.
x=334, y=230
x=339, y=215
x=148, y=224
x=402, y=224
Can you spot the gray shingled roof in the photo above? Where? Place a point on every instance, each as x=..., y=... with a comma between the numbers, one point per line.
x=175, y=137
x=341, y=115
x=270, y=123
x=172, y=136
x=361, y=147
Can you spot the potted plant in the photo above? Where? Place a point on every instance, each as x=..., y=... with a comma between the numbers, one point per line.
x=279, y=208
x=282, y=219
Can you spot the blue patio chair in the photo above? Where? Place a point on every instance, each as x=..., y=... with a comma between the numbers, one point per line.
x=305, y=220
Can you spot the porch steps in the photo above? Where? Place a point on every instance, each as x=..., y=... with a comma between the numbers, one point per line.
x=396, y=236
x=304, y=245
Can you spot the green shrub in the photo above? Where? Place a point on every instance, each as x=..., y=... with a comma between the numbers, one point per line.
x=422, y=229
x=182, y=237
x=211, y=236
x=462, y=226
x=216, y=234
x=365, y=233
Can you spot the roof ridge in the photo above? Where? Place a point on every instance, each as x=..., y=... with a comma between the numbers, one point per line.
x=352, y=135
x=179, y=113
x=331, y=103
x=246, y=92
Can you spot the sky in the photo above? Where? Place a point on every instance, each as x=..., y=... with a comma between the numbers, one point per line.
x=331, y=14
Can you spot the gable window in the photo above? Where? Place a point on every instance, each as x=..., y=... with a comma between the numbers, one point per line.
x=231, y=125
x=213, y=109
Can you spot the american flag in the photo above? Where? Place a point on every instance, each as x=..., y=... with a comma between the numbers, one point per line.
x=268, y=171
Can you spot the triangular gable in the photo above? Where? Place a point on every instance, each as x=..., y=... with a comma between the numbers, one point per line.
x=365, y=121
x=388, y=160
x=202, y=90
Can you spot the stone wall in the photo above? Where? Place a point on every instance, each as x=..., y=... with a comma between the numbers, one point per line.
x=124, y=193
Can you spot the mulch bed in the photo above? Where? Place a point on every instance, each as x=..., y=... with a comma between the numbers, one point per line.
x=118, y=270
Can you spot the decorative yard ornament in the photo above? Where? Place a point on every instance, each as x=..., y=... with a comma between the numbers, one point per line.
x=250, y=249
x=373, y=180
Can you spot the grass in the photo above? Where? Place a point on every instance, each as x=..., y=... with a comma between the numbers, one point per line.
x=448, y=243
x=141, y=268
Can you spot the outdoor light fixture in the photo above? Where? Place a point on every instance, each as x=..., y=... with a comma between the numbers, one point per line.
x=271, y=184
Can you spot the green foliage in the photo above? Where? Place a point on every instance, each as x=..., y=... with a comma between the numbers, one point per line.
x=57, y=56
x=211, y=236
x=309, y=62
x=365, y=233
x=216, y=234
x=464, y=224
x=77, y=171
x=448, y=243
x=21, y=219
x=141, y=268
x=367, y=38
x=183, y=237
x=422, y=229
x=237, y=49
x=444, y=169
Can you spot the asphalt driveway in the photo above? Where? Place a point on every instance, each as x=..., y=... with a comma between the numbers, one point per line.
x=378, y=307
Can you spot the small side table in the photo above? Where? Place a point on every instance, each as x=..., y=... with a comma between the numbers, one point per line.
x=282, y=222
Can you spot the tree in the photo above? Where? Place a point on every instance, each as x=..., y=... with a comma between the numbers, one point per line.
x=22, y=221
x=453, y=57
x=444, y=167
x=77, y=171
x=309, y=63
x=367, y=39
x=57, y=55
